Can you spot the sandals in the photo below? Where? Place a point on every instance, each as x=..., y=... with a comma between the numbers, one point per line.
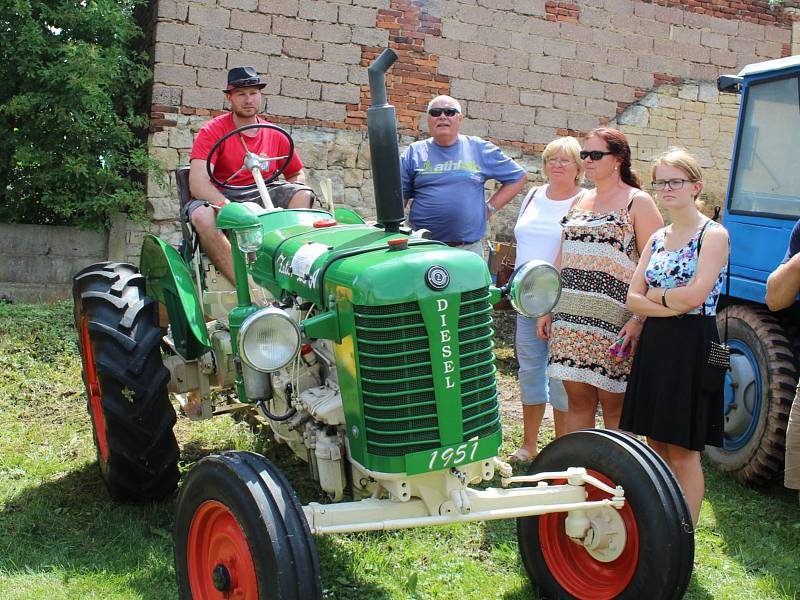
x=521, y=455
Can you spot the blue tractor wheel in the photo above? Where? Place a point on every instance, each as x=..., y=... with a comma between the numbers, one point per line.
x=759, y=388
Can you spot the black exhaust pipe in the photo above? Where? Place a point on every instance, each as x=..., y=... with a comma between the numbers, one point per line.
x=383, y=146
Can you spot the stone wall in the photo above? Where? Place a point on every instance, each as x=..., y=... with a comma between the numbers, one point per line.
x=526, y=72
x=37, y=262
x=693, y=115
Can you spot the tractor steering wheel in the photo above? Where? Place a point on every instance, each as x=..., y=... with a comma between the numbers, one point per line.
x=250, y=157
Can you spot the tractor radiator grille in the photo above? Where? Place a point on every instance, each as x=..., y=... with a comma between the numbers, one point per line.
x=397, y=378
x=480, y=408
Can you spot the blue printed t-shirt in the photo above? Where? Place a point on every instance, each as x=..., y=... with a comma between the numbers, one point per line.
x=794, y=243
x=446, y=183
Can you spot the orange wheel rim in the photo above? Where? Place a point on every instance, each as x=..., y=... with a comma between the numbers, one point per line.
x=219, y=561
x=575, y=570
x=93, y=391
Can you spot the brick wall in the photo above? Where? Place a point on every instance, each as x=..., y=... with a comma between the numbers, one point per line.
x=526, y=72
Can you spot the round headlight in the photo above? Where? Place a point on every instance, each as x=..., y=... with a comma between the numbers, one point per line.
x=249, y=238
x=268, y=340
x=535, y=288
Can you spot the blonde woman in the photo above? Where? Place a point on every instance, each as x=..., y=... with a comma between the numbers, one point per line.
x=593, y=332
x=538, y=236
x=674, y=397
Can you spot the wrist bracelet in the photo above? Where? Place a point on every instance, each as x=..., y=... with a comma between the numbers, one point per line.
x=636, y=317
x=664, y=298
x=491, y=207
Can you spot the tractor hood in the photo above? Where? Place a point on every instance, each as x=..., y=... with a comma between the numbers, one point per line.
x=314, y=260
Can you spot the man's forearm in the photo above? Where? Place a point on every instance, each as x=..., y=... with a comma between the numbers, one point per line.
x=506, y=193
x=210, y=194
x=783, y=284
x=202, y=189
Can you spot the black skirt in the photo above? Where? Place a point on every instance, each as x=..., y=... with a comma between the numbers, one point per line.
x=673, y=396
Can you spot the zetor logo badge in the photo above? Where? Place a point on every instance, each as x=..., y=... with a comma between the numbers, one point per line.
x=437, y=278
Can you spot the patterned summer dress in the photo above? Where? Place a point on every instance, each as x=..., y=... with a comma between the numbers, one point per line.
x=598, y=258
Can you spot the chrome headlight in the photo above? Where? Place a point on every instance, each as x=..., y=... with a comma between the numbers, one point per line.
x=268, y=340
x=534, y=288
x=249, y=239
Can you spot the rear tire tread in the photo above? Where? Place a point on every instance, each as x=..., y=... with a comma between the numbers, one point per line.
x=767, y=460
x=125, y=340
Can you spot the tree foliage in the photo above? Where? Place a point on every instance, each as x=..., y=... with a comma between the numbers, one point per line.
x=72, y=149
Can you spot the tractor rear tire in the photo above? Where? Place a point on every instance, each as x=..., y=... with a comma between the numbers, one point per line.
x=759, y=389
x=240, y=532
x=126, y=382
x=657, y=558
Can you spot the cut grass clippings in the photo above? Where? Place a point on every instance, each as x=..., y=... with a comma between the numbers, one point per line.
x=61, y=537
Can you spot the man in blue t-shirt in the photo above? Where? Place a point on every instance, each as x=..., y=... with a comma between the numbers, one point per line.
x=783, y=286
x=444, y=176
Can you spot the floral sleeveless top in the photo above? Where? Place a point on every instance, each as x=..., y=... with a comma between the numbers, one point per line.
x=675, y=268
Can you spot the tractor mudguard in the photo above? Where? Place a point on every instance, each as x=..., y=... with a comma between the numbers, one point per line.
x=347, y=216
x=169, y=281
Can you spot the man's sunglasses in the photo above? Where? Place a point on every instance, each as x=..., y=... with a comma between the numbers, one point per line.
x=447, y=112
x=593, y=154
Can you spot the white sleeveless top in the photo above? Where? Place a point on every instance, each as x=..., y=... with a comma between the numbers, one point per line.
x=538, y=229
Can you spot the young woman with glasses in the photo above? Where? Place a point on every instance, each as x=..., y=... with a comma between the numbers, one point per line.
x=591, y=332
x=674, y=396
x=538, y=236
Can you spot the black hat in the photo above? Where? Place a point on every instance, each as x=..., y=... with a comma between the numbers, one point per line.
x=240, y=77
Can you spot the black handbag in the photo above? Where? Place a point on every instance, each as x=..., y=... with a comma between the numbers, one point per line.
x=718, y=354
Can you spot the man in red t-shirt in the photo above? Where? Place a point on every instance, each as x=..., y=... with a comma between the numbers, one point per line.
x=244, y=95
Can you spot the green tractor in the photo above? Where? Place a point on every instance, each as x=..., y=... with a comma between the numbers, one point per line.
x=369, y=352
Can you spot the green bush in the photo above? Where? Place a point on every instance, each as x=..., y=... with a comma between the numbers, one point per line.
x=72, y=145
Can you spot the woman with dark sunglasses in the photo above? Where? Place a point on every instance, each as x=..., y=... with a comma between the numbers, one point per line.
x=674, y=396
x=592, y=334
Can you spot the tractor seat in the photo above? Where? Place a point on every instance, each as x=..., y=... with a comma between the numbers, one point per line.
x=182, y=183
x=184, y=197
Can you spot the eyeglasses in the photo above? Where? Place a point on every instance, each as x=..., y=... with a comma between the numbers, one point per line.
x=561, y=162
x=672, y=184
x=448, y=112
x=593, y=154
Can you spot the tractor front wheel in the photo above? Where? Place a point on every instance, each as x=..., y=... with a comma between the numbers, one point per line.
x=126, y=382
x=240, y=533
x=644, y=550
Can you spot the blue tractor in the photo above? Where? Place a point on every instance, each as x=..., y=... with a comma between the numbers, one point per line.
x=762, y=205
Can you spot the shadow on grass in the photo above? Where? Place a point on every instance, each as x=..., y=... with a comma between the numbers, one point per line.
x=71, y=526
x=760, y=527
x=501, y=536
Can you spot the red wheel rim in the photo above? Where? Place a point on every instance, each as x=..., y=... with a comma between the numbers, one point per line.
x=577, y=571
x=93, y=390
x=217, y=546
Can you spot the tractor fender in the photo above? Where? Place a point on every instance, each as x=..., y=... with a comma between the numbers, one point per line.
x=347, y=216
x=170, y=282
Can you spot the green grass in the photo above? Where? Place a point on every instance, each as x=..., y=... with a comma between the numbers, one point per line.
x=61, y=536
